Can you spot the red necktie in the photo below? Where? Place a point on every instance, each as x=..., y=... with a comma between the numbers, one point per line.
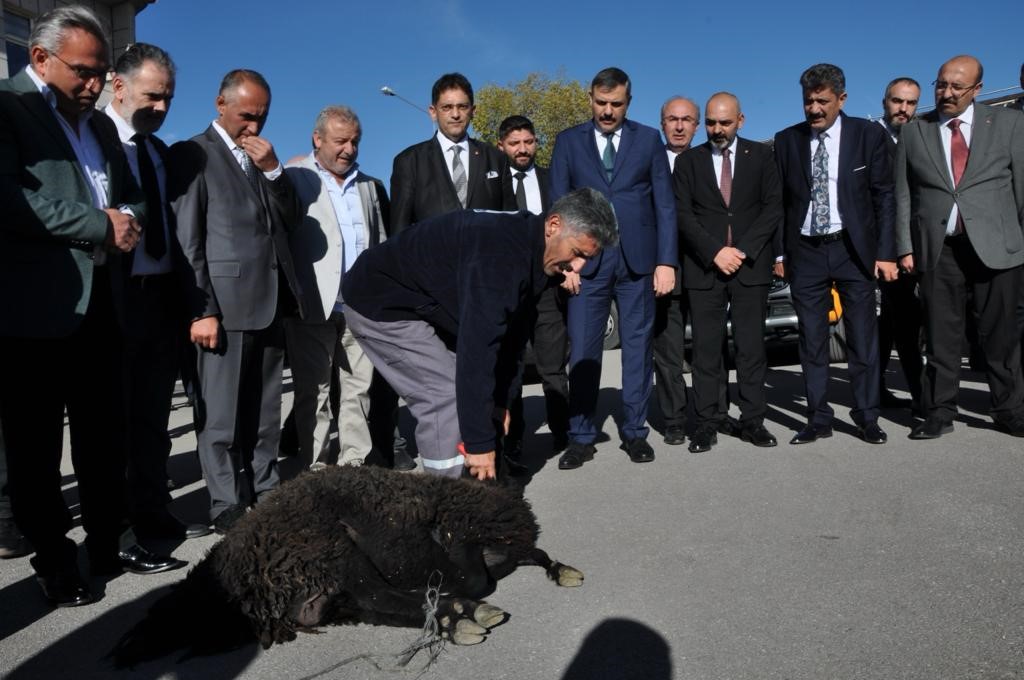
x=725, y=186
x=958, y=155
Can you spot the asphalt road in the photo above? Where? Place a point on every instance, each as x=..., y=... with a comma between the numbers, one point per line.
x=833, y=560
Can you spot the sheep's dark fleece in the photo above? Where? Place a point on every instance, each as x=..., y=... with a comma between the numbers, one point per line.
x=349, y=544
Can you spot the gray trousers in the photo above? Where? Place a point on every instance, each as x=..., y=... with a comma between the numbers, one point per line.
x=240, y=396
x=421, y=369
x=313, y=350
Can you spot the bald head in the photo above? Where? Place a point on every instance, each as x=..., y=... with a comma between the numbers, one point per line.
x=679, y=120
x=958, y=83
x=722, y=119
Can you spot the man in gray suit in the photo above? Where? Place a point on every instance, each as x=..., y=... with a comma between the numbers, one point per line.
x=960, y=206
x=233, y=204
x=343, y=212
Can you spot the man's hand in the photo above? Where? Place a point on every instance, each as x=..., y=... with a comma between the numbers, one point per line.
x=779, y=269
x=728, y=260
x=261, y=152
x=480, y=465
x=571, y=282
x=664, y=279
x=125, y=231
x=886, y=271
x=907, y=263
x=204, y=332
x=502, y=417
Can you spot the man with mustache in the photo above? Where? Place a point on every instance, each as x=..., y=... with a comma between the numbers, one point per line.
x=155, y=322
x=679, y=120
x=726, y=228
x=529, y=184
x=899, y=322
x=626, y=162
x=837, y=227
x=343, y=212
x=960, y=200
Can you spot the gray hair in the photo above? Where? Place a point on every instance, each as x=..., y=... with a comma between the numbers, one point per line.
x=335, y=111
x=587, y=211
x=51, y=28
x=680, y=98
x=134, y=56
x=236, y=77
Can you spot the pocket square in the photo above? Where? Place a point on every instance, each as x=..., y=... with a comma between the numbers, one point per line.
x=860, y=168
x=491, y=174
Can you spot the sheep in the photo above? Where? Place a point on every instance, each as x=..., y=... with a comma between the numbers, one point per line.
x=344, y=545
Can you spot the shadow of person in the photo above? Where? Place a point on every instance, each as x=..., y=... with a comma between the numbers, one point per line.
x=81, y=654
x=621, y=649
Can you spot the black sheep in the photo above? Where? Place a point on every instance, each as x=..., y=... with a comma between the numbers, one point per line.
x=343, y=545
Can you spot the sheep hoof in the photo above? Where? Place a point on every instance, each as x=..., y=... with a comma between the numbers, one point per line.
x=467, y=627
x=488, y=615
x=466, y=639
x=567, y=576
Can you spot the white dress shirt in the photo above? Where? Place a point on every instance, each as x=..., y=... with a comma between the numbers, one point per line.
x=348, y=210
x=532, y=187
x=602, y=141
x=238, y=153
x=716, y=158
x=832, y=147
x=449, y=156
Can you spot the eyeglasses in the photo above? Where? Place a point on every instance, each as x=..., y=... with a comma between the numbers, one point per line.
x=448, y=108
x=958, y=90
x=83, y=73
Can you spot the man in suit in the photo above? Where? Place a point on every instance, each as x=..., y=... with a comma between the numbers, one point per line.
x=626, y=162
x=899, y=322
x=70, y=208
x=729, y=206
x=343, y=212
x=432, y=178
x=679, y=120
x=837, y=227
x=529, y=184
x=443, y=308
x=233, y=206
x=154, y=311
x=960, y=202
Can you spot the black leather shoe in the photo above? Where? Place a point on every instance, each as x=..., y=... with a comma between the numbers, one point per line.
x=889, y=400
x=136, y=560
x=575, y=455
x=674, y=435
x=1012, y=426
x=164, y=525
x=872, y=434
x=12, y=543
x=223, y=522
x=812, y=433
x=933, y=427
x=729, y=426
x=758, y=435
x=638, y=449
x=702, y=440
x=65, y=588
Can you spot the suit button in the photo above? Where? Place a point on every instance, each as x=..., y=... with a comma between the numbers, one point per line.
x=273, y=265
x=730, y=214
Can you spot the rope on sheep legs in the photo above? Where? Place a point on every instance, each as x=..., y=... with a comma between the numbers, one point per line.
x=429, y=639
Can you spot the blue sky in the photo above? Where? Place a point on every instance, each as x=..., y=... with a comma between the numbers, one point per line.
x=315, y=52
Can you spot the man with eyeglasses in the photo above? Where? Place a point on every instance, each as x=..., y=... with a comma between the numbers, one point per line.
x=960, y=207
x=71, y=208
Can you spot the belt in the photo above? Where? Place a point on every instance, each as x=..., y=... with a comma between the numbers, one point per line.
x=150, y=280
x=823, y=238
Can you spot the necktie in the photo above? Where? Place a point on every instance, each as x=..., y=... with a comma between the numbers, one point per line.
x=459, y=174
x=520, y=190
x=250, y=171
x=820, y=217
x=608, y=157
x=156, y=240
x=958, y=152
x=725, y=186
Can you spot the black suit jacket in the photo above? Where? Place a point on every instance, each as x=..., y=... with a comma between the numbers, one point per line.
x=754, y=212
x=865, y=187
x=421, y=185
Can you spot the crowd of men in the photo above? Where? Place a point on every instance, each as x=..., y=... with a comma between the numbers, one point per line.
x=125, y=263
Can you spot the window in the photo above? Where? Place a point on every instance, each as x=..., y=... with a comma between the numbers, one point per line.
x=16, y=32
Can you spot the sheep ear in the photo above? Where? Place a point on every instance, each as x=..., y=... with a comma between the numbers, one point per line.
x=309, y=613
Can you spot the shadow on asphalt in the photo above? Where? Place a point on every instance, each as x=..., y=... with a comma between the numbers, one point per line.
x=621, y=649
x=81, y=654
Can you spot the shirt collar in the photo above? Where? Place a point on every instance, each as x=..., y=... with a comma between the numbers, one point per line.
x=349, y=178
x=834, y=131
x=124, y=129
x=447, y=143
x=49, y=95
x=225, y=136
x=967, y=117
x=732, y=148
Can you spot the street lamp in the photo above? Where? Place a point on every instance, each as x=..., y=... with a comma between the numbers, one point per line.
x=388, y=92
